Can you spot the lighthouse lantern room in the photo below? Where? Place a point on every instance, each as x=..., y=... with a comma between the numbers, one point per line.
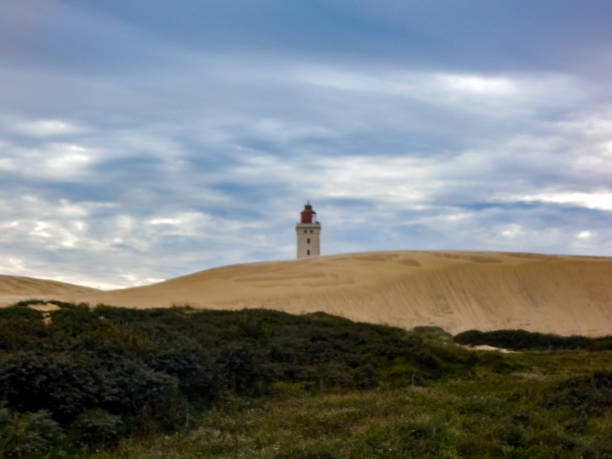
x=308, y=231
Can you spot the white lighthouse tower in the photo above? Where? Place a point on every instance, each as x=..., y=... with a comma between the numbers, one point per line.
x=308, y=231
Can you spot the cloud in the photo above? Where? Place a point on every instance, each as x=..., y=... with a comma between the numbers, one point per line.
x=585, y=234
x=478, y=84
x=596, y=200
x=48, y=159
x=162, y=143
x=46, y=128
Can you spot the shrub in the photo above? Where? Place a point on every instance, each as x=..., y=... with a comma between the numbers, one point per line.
x=197, y=378
x=587, y=395
x=23, y=304
x=600, y=447
x=28, y=434
x=68, y=383
x=61, y=383
x=68, y=323
x=131, y=387
x=305, y=454
x=364, y=377
x=513, y=435
x=21, y=328
x=424, y=439
x=96, y=426
x=238, y=369
x=109, y=371
x=522, y=339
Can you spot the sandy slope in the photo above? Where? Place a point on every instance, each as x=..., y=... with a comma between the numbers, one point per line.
x=455, y=290
x=15, y=288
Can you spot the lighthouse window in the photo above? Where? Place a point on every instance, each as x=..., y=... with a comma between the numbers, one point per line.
x=308, y=252
x=308, y=241
x=305, y=231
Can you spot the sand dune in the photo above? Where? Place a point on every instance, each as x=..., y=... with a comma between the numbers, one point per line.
x=15, y=288
x=454, y=290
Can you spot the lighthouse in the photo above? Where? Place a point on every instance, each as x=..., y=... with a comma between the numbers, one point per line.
x=308, y=231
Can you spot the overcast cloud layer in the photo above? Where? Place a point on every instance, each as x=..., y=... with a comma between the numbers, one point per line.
x=143, y=140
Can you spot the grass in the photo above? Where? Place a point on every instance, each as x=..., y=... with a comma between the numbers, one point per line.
x=489, y=416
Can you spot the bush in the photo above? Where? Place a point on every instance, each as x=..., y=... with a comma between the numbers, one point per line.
x=21, y=329
x=586, y=395
x=197, y=378
x=365, y=377
x=61, y=383
x=522, y=339
x=600, y=448
x=109, y=371
x=238, y=370
x=424, y=439
x=68, y=383
x=96, y=426
x=28, y=434
x=308, y=454
x=513, y=435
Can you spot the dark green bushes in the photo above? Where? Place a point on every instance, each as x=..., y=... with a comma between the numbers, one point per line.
x=97, y=426
x=68, y=383
x=251, y=380
x=522, y=339
x=238, y=369
x=195, y=374
x=97, y=374
x=586, y=395
x=21, y=328
x=28, y=434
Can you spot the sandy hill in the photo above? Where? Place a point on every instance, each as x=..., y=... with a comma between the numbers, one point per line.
x=454, y=290
x=15, y=288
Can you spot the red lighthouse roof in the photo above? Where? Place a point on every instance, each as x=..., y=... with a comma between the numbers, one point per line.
x=307, y=214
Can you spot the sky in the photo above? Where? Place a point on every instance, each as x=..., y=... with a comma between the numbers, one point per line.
x=141, y=140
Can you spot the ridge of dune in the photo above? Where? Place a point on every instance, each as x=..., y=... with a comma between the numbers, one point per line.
x=455, y=290
x=16, y=288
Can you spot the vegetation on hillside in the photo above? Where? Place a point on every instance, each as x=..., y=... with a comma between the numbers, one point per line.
x=181, y=382
x=521, y=339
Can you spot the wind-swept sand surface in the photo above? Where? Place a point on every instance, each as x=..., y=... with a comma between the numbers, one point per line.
x=454, y=290
x=15, y=288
